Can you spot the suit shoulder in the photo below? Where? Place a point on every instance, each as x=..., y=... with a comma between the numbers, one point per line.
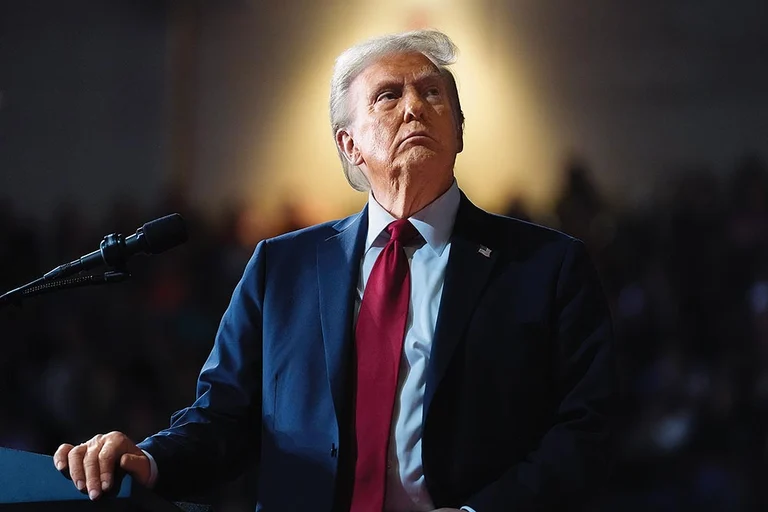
x=517, y=231
x=502, y=228
x=310, y=234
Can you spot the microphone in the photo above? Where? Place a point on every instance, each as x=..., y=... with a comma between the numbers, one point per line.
x=153, y=237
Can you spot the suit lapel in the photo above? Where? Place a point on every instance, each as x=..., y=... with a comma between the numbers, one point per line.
x=469, y=267
x=338, y=266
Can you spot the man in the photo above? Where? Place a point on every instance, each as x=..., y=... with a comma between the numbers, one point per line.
x=420, y=354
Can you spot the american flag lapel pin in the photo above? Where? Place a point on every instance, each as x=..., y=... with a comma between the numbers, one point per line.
x=484, y=251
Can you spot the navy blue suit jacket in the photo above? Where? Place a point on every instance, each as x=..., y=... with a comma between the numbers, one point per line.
x=520, y=384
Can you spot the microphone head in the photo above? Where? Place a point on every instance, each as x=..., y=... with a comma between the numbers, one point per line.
x=164, y=233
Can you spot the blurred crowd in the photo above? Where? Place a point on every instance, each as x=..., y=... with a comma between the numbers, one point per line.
x=686, y=276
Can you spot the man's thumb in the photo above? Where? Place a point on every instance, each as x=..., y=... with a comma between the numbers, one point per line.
x=136, y=465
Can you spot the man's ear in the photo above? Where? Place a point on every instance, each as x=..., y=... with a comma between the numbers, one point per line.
x=346, y=145
x=460, y=142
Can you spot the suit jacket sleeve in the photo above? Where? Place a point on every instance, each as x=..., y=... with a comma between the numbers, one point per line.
x=219, y=433
x=572, y=458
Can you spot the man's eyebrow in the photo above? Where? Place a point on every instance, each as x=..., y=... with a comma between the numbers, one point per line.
x=425, y=75
x=387, y=83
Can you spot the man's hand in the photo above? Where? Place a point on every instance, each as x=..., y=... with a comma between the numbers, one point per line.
x=92, y=464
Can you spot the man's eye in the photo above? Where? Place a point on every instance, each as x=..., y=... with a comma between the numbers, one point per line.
x=432, y=95
x=387, y=95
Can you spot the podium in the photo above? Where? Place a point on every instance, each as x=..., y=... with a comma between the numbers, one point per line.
x=30, y=483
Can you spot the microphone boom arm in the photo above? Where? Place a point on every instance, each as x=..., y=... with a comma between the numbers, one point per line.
x=41, y=286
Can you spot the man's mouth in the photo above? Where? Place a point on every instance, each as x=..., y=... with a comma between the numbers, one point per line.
x=416, y=135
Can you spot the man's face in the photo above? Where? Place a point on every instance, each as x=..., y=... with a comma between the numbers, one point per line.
x=402, y=122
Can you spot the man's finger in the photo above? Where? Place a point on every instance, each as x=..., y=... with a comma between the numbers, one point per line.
x=107, y=459
x=60, y=457
x=75, y=462
x=93, y=469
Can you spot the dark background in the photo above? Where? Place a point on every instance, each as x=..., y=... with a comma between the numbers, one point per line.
x=113, y=113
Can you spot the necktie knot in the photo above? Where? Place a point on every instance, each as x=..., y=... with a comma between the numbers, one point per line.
x=402, y=231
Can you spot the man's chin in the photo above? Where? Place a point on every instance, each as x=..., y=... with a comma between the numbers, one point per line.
x=419, y=152
x=423, y=160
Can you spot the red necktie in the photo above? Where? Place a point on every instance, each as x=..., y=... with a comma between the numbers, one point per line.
x=379, y=343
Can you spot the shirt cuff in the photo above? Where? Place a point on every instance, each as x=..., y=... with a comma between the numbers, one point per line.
x=153, y=471
x=468, y=509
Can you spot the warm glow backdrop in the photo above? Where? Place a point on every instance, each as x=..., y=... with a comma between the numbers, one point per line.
x=225, y=103
x=508, y=142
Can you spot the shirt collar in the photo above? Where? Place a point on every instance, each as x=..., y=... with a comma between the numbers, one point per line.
x=434, y=222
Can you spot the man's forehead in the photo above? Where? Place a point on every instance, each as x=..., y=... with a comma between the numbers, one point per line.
x=396, y=66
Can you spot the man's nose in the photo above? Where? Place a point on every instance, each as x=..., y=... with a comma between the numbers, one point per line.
x=413, y=106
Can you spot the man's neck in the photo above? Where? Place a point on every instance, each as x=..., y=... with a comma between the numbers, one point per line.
x=403, y=201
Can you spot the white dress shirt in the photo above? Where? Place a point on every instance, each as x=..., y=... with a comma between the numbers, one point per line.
x=406, y=490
